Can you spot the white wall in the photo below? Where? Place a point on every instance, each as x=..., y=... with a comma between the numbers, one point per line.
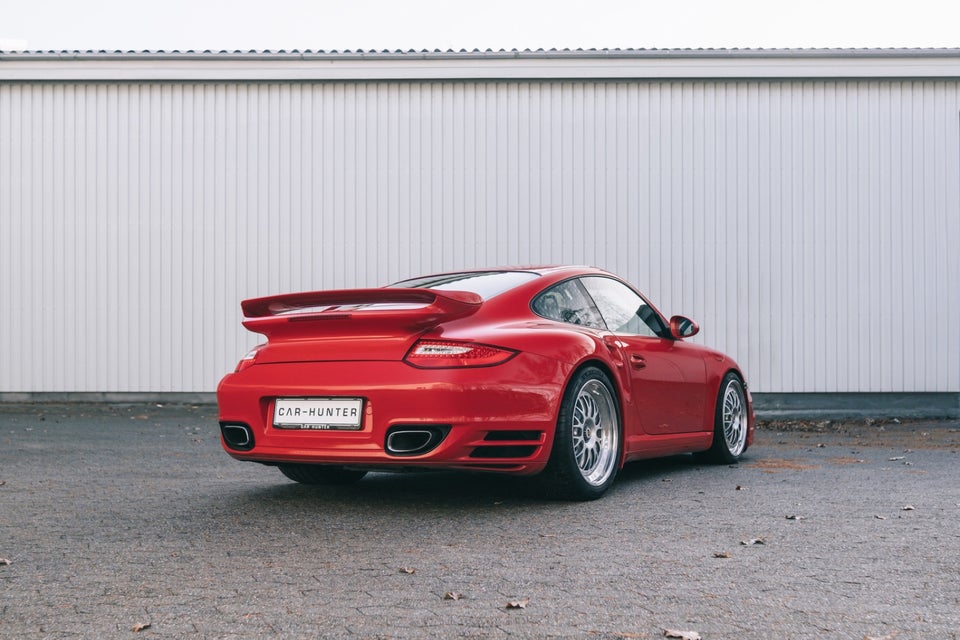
x=811, y=226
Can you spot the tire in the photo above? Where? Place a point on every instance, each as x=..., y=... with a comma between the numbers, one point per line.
x=729, y=423
x=587, y=443
x=320, y=474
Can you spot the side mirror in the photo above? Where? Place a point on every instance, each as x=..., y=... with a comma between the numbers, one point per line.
x=683, y=327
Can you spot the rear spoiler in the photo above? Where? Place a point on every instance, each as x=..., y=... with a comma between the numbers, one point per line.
x=286, y=315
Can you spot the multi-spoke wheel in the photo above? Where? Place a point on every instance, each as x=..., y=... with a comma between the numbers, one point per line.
x=730, y=422
x=586, y=446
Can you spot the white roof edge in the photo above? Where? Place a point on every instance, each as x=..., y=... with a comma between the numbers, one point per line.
x=475, y=65
x=308, y=54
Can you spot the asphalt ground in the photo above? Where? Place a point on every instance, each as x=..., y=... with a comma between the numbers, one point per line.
x=121, y=518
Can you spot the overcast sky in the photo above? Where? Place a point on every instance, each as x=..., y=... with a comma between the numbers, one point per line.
x=494, y=24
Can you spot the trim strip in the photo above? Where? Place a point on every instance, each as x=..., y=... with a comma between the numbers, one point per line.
x=507, y=65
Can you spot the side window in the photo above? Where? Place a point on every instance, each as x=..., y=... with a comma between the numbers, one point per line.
x=622, y=309
x=568, y=302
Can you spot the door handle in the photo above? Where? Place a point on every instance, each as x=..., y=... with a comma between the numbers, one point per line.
x=637, y=361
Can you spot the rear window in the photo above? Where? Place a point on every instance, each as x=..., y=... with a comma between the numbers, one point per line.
x=485, y=284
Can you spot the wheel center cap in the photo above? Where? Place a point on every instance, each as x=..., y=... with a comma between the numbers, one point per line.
x=590, y=432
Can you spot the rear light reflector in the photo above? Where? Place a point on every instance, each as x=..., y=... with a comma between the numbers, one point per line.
x=248, y=360
x=445, y=354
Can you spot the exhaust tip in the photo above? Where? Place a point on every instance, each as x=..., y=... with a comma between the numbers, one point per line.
x=414, y=440
x=237, y=436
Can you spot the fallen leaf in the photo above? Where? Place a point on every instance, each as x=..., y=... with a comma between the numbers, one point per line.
x=407, y=570
x=908, y=507
x=796, y=518
x=141, y=626
x=753, y=541
x=518, y=604
x=722, y=554
x=683, y=635
x=452, y=595
x=4, y=562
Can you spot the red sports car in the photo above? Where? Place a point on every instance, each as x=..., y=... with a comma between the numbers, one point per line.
x=565, y=372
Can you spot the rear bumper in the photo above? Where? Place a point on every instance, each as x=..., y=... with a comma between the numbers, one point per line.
x=498, y=418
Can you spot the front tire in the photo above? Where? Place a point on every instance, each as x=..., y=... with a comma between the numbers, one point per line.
x=587, y=442
x=320, y=474
x=730, y=422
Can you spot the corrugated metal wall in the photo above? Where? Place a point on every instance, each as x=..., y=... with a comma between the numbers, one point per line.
x=812, y=227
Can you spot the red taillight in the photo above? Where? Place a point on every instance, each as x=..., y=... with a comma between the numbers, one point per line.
x=249, y=359
x=442, y=354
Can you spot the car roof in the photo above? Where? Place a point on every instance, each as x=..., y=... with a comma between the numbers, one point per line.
x=549, y=275
x=538, y=269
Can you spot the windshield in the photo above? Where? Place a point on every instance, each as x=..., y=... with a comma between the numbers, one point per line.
x=485, y=284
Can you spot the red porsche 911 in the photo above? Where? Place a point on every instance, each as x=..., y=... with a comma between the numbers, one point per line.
x=566, y=373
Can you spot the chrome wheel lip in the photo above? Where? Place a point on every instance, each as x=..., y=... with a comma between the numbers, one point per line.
x=595, y=432
x=733, y=408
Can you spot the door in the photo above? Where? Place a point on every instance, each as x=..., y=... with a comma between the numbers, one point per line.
x=668, y=377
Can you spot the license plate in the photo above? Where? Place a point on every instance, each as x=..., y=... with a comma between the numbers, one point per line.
x=318, y=413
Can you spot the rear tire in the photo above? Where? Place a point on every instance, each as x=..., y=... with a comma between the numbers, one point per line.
x=587, y=442
x=730, y=423
x=320, y=473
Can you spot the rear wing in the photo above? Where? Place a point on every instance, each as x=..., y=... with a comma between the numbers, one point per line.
x=295, y=315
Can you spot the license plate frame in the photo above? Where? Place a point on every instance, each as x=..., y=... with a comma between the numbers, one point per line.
x=318, y=413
